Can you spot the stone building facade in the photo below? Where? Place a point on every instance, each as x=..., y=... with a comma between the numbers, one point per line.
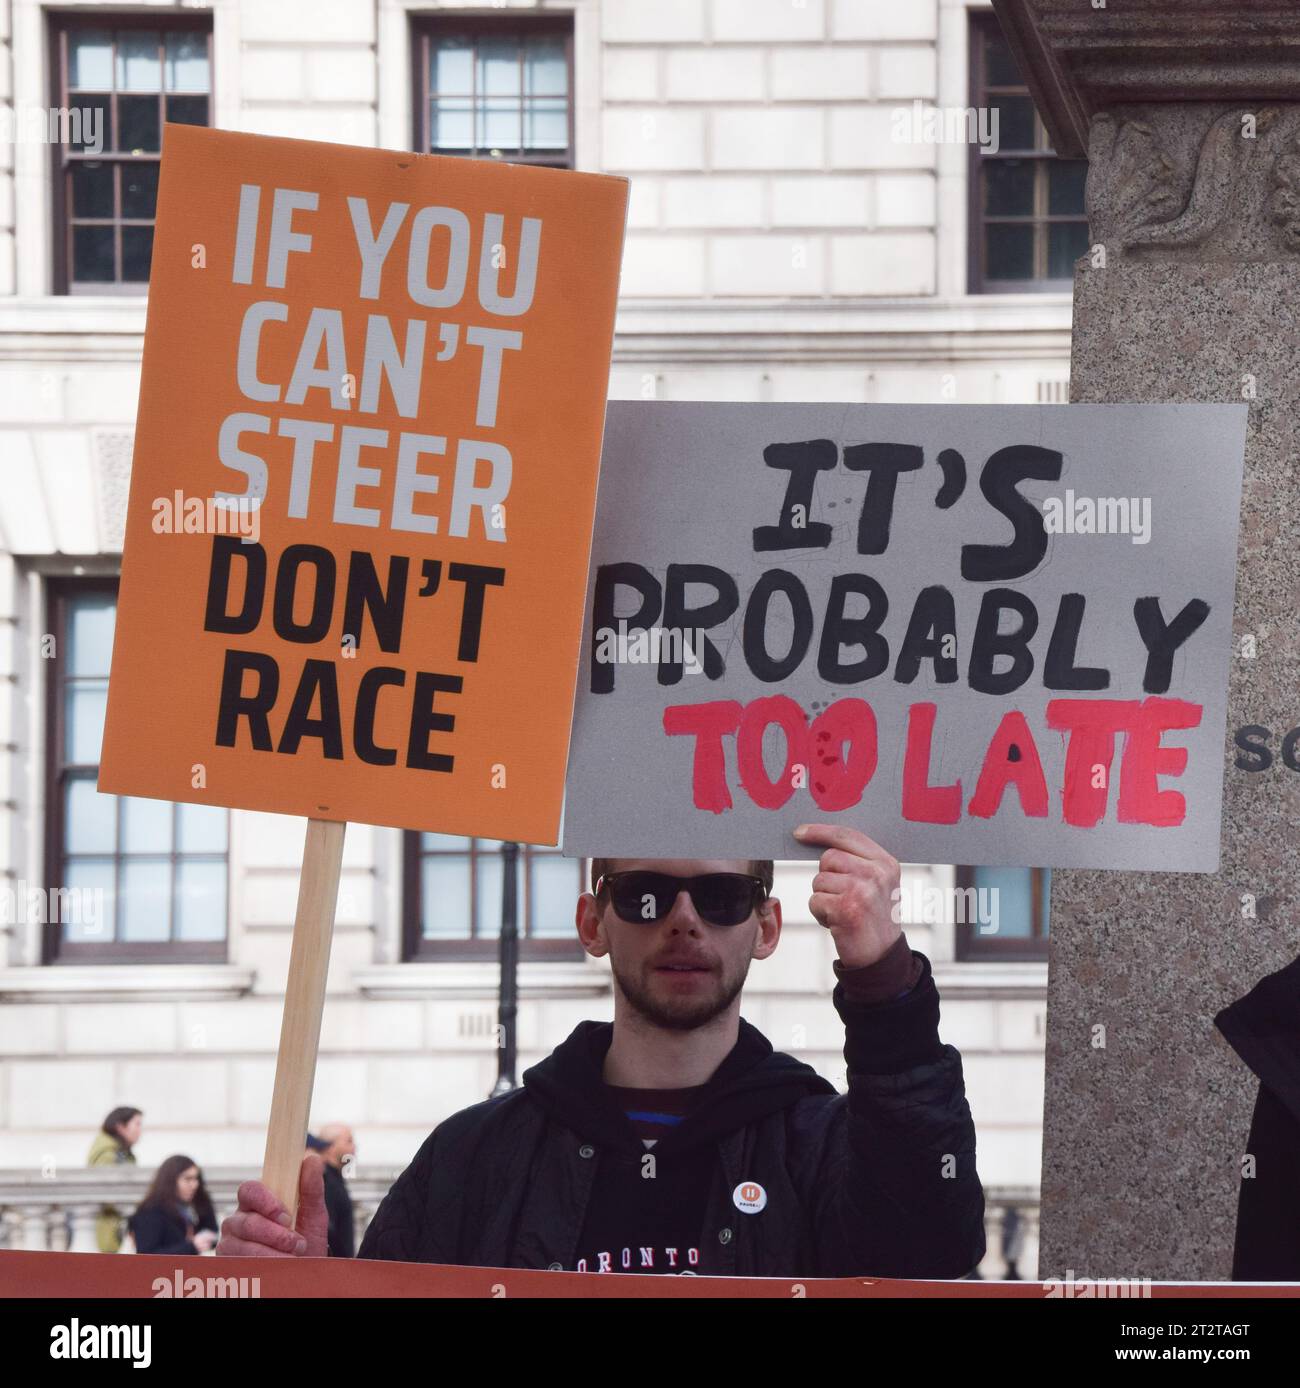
x=783, y=244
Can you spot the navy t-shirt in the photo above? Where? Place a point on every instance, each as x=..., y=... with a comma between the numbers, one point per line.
x=647, y=1212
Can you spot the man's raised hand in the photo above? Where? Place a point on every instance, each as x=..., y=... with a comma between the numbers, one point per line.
x=853, y=892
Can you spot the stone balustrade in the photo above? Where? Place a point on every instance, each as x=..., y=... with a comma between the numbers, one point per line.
x=58, y=1212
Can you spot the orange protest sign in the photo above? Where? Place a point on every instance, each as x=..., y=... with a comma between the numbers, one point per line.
x=365, y=470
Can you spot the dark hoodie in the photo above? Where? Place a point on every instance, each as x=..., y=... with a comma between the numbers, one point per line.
x=800, y=1180
x=1264, y=1029
x=647, y=1208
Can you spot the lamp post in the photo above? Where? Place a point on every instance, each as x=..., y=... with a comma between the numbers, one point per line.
x=508, y=985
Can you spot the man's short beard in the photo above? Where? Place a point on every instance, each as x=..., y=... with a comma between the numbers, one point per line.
x=689, y=1014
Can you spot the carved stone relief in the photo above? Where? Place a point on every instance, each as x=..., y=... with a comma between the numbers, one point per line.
x=1203, y=182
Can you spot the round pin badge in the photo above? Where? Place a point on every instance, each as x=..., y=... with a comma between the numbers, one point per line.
x=749, y=1197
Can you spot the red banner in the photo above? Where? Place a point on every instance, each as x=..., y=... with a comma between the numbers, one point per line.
x=156, y=1276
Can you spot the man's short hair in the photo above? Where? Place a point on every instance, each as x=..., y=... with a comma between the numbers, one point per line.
x=762, y=868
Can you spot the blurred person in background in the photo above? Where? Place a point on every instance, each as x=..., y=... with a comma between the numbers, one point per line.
x=176, y=1214
x=112, y=1146
x=336, y=1146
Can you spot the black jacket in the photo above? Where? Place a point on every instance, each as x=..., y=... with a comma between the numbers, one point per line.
x=1264, y=1029
x=162, y=1229
x=880, y=1181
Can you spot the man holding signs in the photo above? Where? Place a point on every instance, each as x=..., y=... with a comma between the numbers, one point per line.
x=676, y=1140
x=400, y=387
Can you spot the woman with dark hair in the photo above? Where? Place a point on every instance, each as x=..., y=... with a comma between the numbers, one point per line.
x=117, y=1135
x=1264, y=1029
x=176, y=1214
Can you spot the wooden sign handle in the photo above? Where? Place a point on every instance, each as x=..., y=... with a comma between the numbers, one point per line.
x=304, y=1001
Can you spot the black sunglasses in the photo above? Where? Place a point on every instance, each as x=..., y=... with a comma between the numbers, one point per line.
x=721, y=898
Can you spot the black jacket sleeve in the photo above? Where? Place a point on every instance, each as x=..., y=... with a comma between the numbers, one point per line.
x=1267, y=1247
x=155, y=1231
x=436, y=1210
x=396, y=1230
x=898, y=1194
x=420, y=1219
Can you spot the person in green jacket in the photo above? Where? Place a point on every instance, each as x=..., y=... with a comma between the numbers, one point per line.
x=112, y=1146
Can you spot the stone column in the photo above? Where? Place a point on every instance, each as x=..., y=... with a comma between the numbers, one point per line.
x=84, y=1219
x=1191, y=293
x=34, y=1227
